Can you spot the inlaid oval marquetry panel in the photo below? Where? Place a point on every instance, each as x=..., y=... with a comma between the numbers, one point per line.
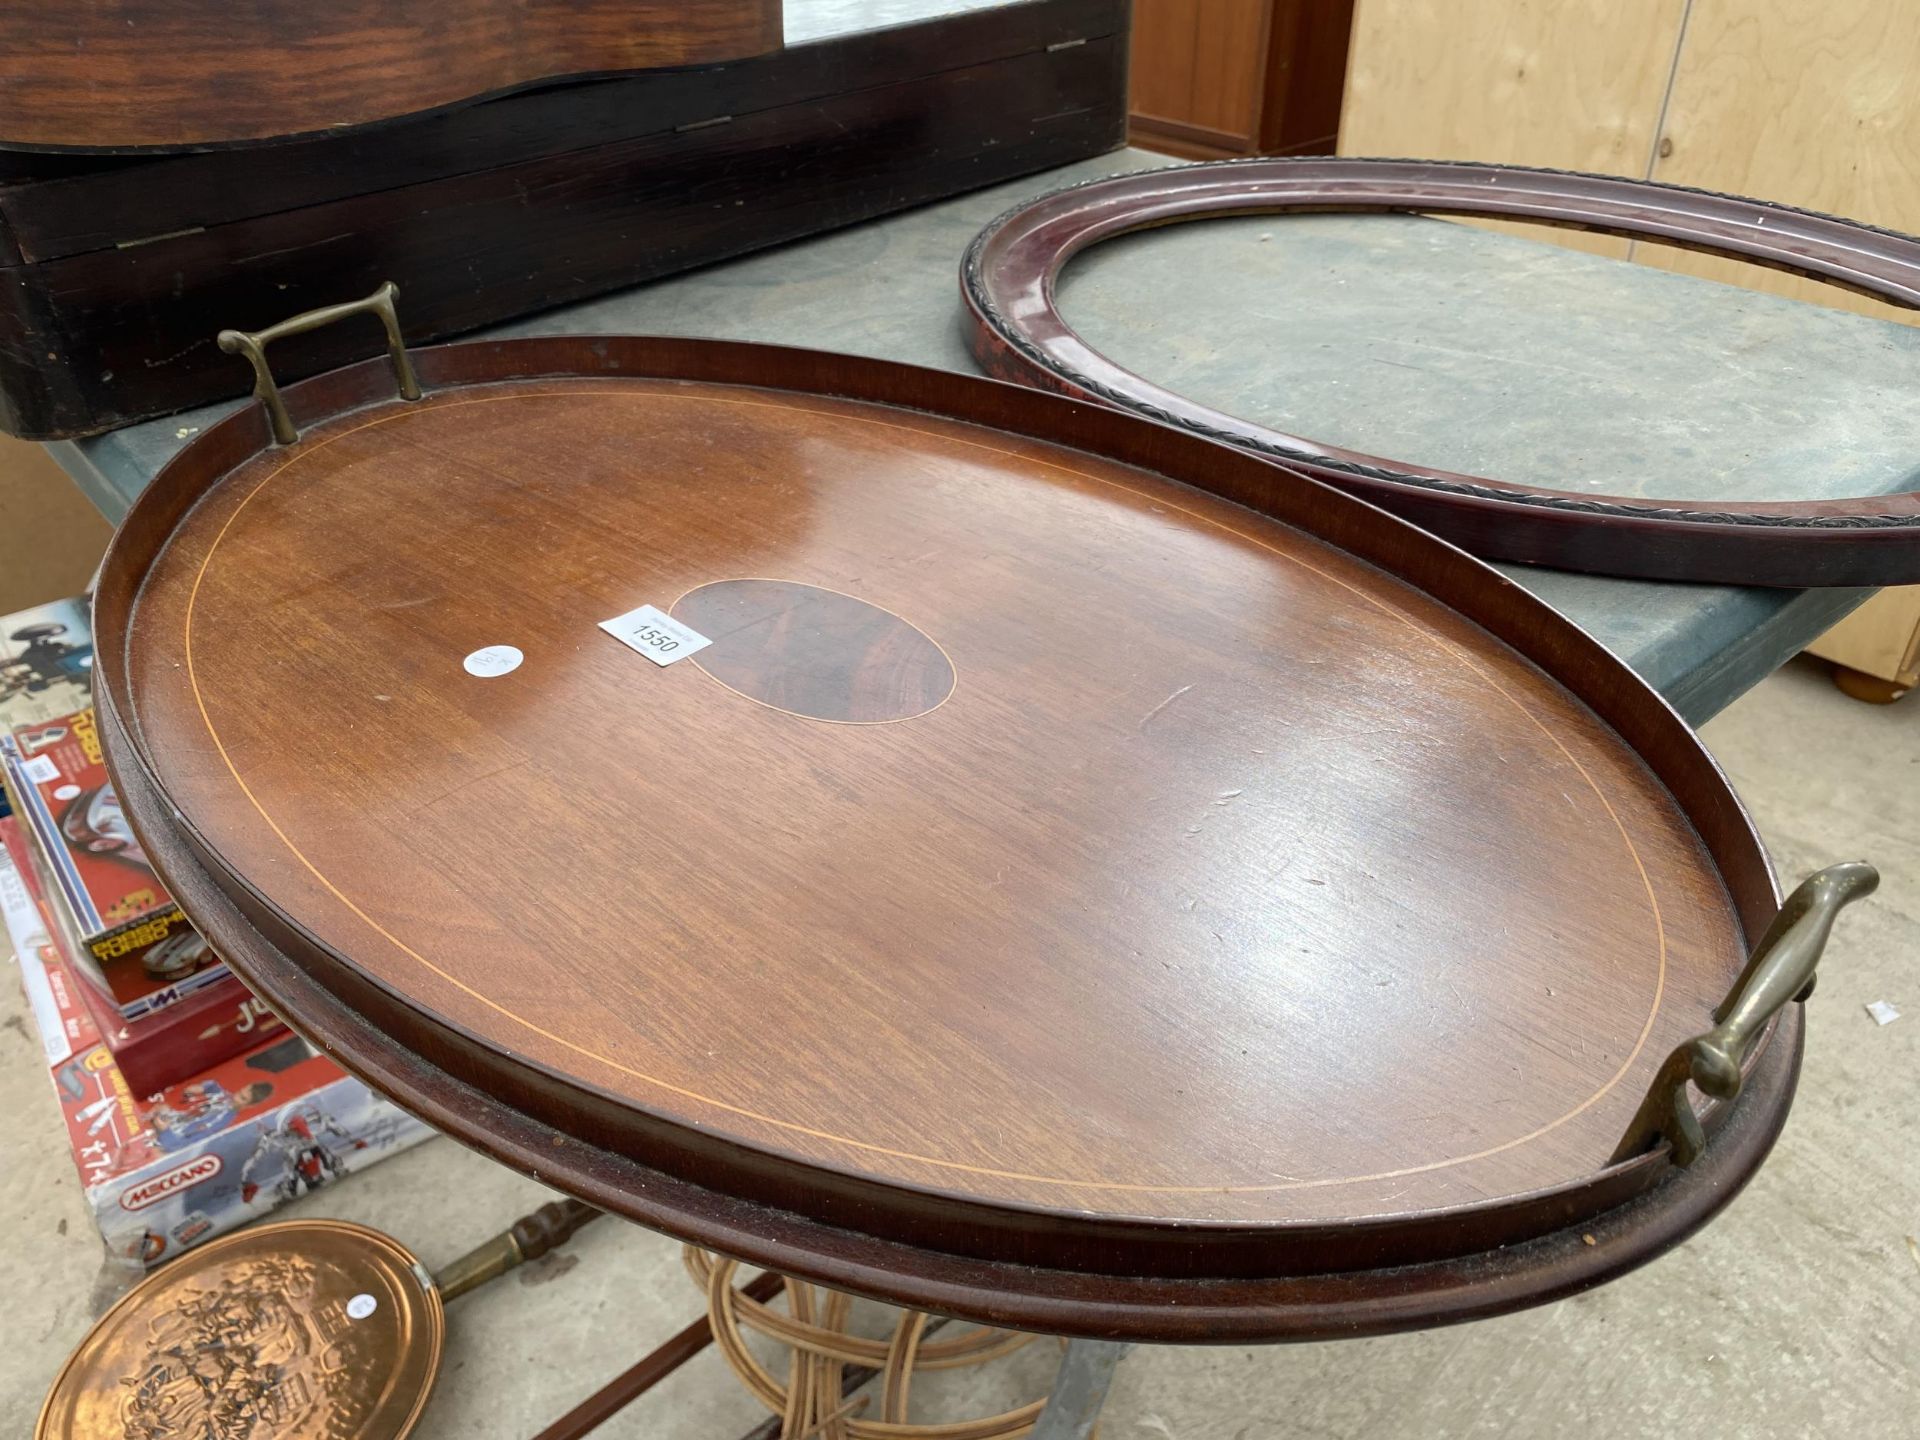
x=815, y=652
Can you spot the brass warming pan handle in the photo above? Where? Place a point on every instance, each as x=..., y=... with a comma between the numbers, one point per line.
x=1781, y=969
x=530, y=1237
x=253, y=344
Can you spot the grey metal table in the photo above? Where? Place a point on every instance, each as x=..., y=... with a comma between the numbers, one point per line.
x=1533, y=363
x=1408, y=336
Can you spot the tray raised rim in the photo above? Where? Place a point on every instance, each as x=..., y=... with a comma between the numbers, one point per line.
x=323, y=992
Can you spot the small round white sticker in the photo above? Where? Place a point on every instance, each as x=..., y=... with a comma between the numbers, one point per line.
x=361, y=1306
x=493, y=660
x=66, y=792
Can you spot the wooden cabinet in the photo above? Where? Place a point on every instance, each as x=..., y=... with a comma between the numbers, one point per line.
x=1217, y=78
x=114, y=271
x=1877, y=648
x=1807, y=102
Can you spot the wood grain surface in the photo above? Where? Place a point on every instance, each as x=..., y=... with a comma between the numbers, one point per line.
x=1200, y=65
x=1234, y=882
x=147, y=75
x=1570, y=86
x=1109, y=1300
x=1806, y=102
x=815, y=653
x=1237, y=77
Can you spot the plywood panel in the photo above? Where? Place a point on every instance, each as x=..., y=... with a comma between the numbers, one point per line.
x=1808, y=102
x=1881, y=638
x=1572, y=84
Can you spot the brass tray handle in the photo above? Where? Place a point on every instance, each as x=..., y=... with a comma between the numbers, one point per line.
x=1782, y=969
x=253, y=344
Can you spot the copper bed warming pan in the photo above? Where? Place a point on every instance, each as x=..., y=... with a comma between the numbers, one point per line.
x=1017, y=332
x=297, y=1328
x=1193, y=904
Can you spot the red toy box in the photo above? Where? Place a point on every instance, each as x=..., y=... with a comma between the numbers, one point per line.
x=120, y=922
x=207, y=1155
x=153, y=1052
x=208, y=1027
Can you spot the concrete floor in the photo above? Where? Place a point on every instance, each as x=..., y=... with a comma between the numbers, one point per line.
x=1796, y=1314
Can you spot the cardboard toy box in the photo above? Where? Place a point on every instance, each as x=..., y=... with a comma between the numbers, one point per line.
x=154, y=1051
x=163, y=1174
x=46, y=664
x=124, y=926
x=46, y=698
x=206, y=1028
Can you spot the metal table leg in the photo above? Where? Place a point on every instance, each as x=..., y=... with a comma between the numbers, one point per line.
x=1079, y=1390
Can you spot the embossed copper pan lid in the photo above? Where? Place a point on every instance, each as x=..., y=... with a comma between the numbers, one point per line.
x=945, y=841
x=302, y=1329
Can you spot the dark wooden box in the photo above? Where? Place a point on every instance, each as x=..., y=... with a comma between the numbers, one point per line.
x=116, y=273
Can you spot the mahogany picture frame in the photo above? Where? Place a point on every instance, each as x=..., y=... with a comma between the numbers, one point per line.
x=1017, y=332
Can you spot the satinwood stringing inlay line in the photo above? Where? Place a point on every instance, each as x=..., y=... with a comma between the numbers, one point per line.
x=624, y=390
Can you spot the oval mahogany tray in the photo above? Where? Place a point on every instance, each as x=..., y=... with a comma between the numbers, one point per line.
x=1017, y=332
x=1093, y=880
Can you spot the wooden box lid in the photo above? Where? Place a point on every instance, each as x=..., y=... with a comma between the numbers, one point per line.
x=191, y=74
